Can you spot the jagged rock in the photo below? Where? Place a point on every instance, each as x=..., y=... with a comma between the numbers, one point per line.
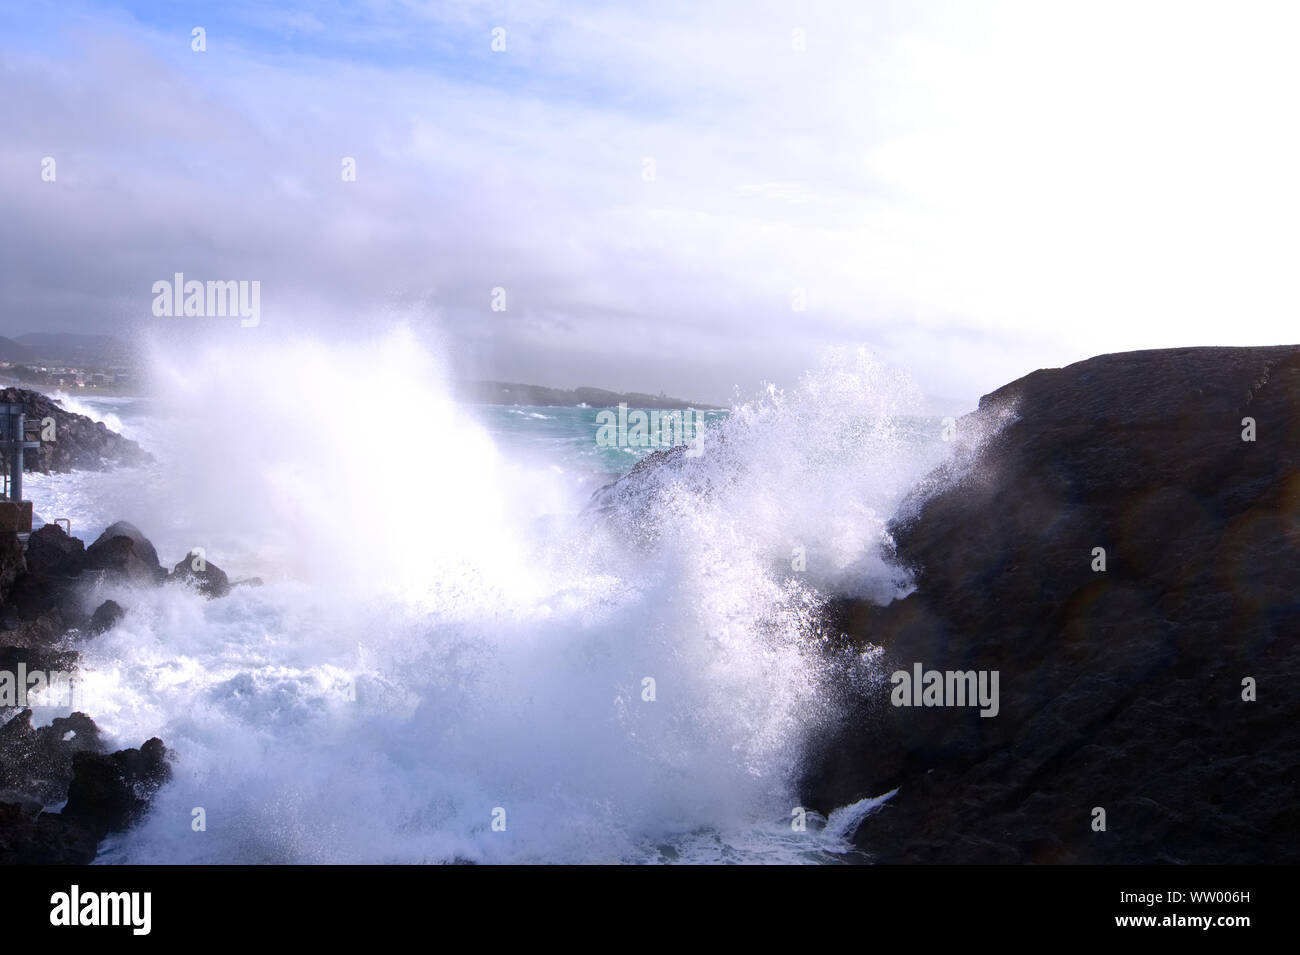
x=37, y=764
x=46, y=607
x=37, y=658
x=106, y=617
x=211, y=581
x=41, y=598
x=123, y=552
x=29, y=836
x=51, y=552
x=105, y=792
x=1120, y=689
x=110, y=791
x=640, y=503
x=12, y=565
x=79, y=443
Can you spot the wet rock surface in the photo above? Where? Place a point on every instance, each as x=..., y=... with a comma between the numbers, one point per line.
x=77, y=442
x=61, y=788
x=1120, y=689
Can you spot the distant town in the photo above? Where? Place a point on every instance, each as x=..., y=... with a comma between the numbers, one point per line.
x=68, y=362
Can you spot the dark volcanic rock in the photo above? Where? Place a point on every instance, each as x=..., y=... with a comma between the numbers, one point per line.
x=211, y=581
x=1119, y=689
x=31, y=836
x=53, y=553
x=105, y=792
x=41, y=606
x=643, y=503
x=125, y=553
x=106, y=617
x=38, y=763
x=110, y=791
x=37, y=607
x=45, y=606
x=78, y=443
x=37, y=658
x=632, y=500
x=12, y=564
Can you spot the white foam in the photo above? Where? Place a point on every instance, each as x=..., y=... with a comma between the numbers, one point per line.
x=443, y=633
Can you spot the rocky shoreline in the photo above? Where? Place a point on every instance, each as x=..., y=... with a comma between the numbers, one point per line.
x=1118, y=540
x=77, y=442
x=48, y=607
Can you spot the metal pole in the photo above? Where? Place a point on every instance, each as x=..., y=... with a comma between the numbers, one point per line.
x=16, y=484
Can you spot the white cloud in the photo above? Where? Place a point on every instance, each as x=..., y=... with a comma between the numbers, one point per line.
x=975, y=190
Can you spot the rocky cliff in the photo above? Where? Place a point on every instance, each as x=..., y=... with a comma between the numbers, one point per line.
x=1156, y=679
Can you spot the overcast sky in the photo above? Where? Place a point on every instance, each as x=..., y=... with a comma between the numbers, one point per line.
x=973, y=190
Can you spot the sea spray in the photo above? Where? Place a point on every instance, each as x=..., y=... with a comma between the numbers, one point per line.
x=444, y=632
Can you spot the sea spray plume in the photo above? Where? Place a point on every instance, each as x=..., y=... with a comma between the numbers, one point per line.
x=351, y=462
x=967, y=437
x=430, y=660
x=820, y=468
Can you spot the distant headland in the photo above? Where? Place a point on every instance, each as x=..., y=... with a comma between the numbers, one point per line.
x=512, y=393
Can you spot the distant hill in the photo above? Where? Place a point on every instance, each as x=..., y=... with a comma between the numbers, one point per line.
x=68, y=346
x=513, y=393
x=11, y=350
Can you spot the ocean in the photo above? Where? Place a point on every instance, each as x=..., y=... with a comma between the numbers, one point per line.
x=450, y=657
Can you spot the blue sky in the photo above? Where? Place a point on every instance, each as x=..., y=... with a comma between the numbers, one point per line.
x=971, y=190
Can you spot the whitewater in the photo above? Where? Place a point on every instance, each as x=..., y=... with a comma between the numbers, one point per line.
x=446, y=635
